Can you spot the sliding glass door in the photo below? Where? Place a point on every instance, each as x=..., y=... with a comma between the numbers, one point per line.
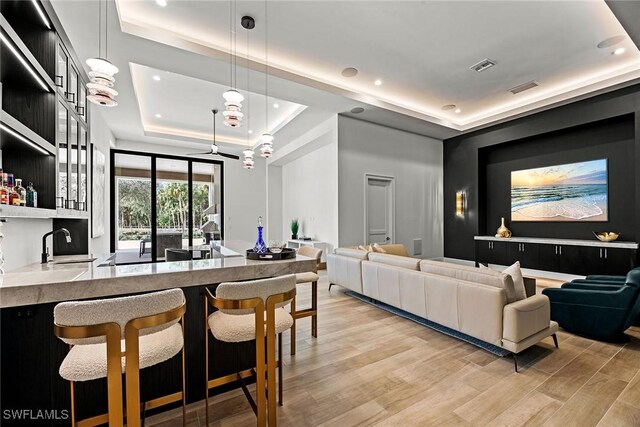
x=163, y=202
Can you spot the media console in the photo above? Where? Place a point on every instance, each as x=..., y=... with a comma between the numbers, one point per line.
x=571, y=256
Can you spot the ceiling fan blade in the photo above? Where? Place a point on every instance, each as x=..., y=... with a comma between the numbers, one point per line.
x=229, y=156
x=199, y=154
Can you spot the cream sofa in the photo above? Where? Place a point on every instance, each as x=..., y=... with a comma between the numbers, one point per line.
x=479, y=303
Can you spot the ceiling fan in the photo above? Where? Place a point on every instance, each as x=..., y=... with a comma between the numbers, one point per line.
x=214, y=147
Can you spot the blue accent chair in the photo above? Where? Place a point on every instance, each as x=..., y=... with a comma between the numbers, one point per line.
x=601, y=310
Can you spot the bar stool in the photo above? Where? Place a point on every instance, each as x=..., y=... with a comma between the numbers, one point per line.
x=244, y=309
x=308, y=277
x=121, y=335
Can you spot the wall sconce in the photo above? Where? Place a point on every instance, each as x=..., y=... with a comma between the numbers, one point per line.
x=460, y=202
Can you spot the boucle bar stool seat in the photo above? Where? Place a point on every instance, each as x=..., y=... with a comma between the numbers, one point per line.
x=307, y=277
x=89, y=362
x=111, y=336
x=250, y=311
x=241, y=328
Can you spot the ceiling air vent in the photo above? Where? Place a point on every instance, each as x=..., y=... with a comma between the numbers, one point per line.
x=525, y=86
x=483, y=65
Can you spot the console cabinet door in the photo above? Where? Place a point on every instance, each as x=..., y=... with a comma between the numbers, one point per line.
x=526, y=253
x=491, y=252
x=618, y=261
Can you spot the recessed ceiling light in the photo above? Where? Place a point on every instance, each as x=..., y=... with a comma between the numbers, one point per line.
x=377, y=82
x=611, y=41
x=457, y=111
x=161, y=3
x=349, y=72
x=276, y=105
x=619, y=51
x=357, y=110
x=156, y=78
x=448, y=107
x=249, y=131
x=159, y=115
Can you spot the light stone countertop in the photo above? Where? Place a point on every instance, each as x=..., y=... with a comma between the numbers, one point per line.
x=568, y=242
x=53, y=282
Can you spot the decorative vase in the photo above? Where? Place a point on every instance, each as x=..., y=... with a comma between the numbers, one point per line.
x=260, y=247
x=294, y=237
x=503, y=231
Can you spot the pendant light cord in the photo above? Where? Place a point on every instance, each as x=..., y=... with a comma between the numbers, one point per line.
x=266, y=68
x=106, y=30
x=231, y=43
x=248, y=94
x=99, y=29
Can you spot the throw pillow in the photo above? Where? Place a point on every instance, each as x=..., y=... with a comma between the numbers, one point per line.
x=518, y=281
x=378, y=248
x=368, y=248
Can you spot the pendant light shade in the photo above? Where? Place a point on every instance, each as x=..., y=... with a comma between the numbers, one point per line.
x=248, y=162
x=232, y=115
x=102, y=72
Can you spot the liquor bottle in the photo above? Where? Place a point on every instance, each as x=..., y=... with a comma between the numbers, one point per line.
x=22, y=193
x=260, y=247
x=32, y=196
x=4, y=191
x=14, y=197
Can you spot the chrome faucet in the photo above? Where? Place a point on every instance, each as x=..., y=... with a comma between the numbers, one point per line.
x=45, y=250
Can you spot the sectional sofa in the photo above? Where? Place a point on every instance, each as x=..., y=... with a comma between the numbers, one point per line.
x=478, y=303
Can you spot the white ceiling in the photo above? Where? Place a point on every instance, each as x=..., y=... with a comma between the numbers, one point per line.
x=184, y=105
x=420, y=50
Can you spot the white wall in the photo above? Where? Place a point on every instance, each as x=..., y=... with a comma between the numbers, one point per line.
x=244, y=190
x=22, y=243
x=416, y=164
x=308, y=184
x=102, y=139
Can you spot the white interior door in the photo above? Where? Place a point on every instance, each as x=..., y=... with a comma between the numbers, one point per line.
x=379, y=210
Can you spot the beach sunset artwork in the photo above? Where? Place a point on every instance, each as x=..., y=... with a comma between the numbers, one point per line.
x=570, y=192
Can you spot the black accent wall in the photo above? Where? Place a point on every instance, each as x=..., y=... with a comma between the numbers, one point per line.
x=480, y=163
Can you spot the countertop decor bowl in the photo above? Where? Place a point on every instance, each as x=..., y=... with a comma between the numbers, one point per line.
x=606, y=236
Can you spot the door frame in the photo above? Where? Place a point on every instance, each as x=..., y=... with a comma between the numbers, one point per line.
x=153, y=158
x=392, y=208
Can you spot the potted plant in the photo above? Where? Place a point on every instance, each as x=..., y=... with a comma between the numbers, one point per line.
x=295, y=226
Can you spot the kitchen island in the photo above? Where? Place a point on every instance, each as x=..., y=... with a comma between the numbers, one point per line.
x=31, y=354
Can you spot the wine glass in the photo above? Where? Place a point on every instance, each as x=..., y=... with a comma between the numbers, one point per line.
x=275, y=246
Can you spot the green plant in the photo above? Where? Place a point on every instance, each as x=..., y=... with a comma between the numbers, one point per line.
x=295, y=226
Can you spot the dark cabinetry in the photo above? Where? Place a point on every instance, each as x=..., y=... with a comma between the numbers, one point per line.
x=492, y=252
x=562, y=258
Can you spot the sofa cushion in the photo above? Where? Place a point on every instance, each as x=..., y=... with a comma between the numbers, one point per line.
x=353, y=253
x=396, y=260
x=518, y=280
x=471, y=274
x=379, y=248
x=516, y=275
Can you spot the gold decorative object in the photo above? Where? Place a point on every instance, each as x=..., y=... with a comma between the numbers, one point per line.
x=503, y=231
x=606, y=236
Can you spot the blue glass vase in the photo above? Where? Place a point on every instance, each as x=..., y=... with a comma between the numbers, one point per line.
x=260, y=247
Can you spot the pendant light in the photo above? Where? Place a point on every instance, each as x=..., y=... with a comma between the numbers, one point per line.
x=248, y=23
x=267, y=139
x=101, y=78
x=233, y=99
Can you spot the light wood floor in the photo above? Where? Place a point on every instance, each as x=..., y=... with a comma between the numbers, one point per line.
x=369, y=367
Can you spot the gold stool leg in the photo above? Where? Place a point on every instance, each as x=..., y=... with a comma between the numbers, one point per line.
x=271, y=370
x=314, y=307
x=206, y=361
x=114, y=380
x=73, y=404
x=261, y=392
x=293, y=327
x=132, y=379
x=184, y=379
x=280, y=399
